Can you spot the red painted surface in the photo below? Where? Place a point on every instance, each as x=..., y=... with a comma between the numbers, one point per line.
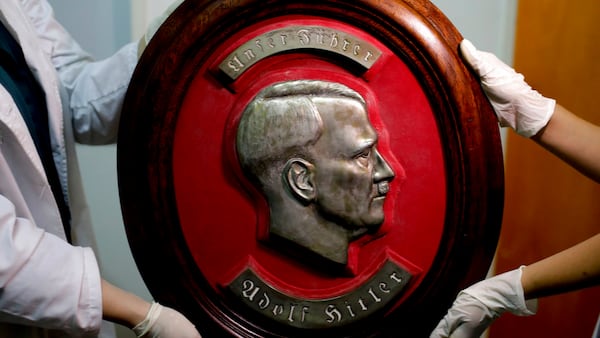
x=221, y=220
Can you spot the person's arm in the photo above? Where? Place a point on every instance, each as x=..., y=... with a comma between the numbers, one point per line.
x=145, y=319
x=530, y=114
x=479, y=305
x=574, y=140
x=572, y=269
x=569, y=137
x=64, y=283
x=93, y=89
x=37, y=267
x=121, y=307
x=96, y=88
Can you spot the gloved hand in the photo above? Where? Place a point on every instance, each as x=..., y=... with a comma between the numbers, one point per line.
x=164, y=322
x=516, y=104
x=155, y=25
x=477, y=306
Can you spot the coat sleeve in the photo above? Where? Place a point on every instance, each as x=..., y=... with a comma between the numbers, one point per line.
x=44, y=281
x=96, y=89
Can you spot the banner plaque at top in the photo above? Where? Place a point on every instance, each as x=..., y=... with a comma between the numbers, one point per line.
x=295, y=38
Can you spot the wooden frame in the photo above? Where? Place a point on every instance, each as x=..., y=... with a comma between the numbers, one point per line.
x=183, y=52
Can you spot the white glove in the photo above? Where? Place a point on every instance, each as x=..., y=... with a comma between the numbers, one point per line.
x=477, y=306
x=164, y=322
x=155, y=25
x=516, y=104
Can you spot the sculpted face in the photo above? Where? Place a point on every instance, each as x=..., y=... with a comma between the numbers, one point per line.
x=351, y=177
x=311, y=150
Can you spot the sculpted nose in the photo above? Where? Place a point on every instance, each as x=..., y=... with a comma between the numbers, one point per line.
x=383, y=171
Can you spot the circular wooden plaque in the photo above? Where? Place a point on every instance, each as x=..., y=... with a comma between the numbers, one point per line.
x=200, y=231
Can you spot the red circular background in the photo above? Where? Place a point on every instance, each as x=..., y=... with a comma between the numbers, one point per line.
x=219, y=219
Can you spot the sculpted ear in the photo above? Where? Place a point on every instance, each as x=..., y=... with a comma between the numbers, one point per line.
x=298, y=178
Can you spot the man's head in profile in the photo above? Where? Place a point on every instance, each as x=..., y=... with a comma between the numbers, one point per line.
x=310, y=148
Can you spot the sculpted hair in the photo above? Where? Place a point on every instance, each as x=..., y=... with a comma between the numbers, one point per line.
x=281, y=121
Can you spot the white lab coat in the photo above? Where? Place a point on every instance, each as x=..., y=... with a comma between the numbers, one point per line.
x=44, y=281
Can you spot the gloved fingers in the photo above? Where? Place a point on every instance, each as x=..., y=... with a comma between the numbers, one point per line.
x=500, y=81
x=474, y=316
x=461, y=312
x=515, y=103
x=503, y=292
x=470, y=53
x=488, y=66
x=172, y=324
x=164, y=322
x=471, y=315
x=142, y=328
x=468, y=317
x=481, y=62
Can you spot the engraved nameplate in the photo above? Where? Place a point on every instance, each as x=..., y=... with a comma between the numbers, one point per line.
x=372, y=296
x=296, y=38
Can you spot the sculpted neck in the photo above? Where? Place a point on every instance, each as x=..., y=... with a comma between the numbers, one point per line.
x=306, y=230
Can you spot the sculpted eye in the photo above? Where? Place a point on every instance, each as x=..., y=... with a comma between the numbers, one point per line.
x=363, y=157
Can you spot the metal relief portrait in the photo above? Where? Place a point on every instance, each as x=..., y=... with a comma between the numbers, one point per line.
x=308, y=169
x=311, y=150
